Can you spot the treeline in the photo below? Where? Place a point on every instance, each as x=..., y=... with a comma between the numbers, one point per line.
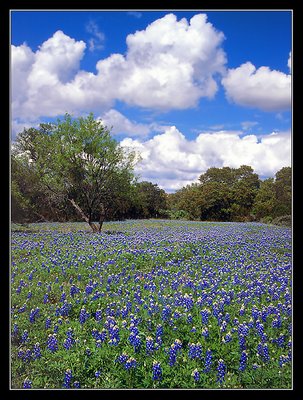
x=74, y=170
x=235, y=194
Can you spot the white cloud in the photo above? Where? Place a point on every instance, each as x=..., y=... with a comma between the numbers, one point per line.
x=289, y=62
x=96, y=42
x=263, y=88
x=169, y=65
x=123, y=126
x=135, y=14
x=246, y=125
x=173, y=161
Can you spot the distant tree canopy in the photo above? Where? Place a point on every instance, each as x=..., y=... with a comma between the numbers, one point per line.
x=234, y=194
x=74, y=169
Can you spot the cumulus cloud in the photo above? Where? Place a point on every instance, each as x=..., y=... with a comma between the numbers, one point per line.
x=262, y=88
x=123, y=126
x=169, y=65
x=173, y=161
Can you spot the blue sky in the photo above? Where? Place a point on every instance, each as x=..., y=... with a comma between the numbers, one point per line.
x=188, y=90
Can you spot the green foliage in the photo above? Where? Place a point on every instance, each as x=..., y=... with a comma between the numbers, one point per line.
x=78, y=161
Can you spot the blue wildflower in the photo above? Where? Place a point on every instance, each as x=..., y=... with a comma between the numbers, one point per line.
x=196, y=375
x=130, y=363
x=67, y=378
x=27, y=384
x=208, y=361
x=243, y=361
x=221, y=370
x=149, y=345
x=84, y=315
x=157, y=371
x=52, y=342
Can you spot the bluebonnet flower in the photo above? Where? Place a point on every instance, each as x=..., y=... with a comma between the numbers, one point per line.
x=65, y=308
x=15, y=329
x=67, y=378
x=242, y=342
x=260, y=328
x=97, y=374
x=69, y=341
x=223, y=326
x=27, y=384
x=195, y=350
x=166, y=312
x=189, y=319
x=22, y=309
x=84, y=315
x=188, y=301
x=74, y=290
x=266, y=356
x=159, y=330
x=205, y=332
x=98, y=315
x=173, y=350
x=284, y=359
x=63, y=297
x=205, y=313
x=243, y=360
x=113, y=332
x=130, y=363
x=208, y=361
x=25, y=356
x=157, y=371
x=45, y=298
x=227, y=338
x=277, y=323
x=34, y=314
x=243, y=329
x=24, y=337
x=149, y=345
x=221, y=370
x=52, y=342
x=196, y=375
x=48, y=323
x=122, y=358
x=77, y=385
x=135, y=341
x=89, y=289
x=255, y=366
x=280, y=340
x=36, y=351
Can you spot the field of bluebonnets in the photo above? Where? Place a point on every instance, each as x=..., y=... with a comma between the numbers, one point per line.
x=151, y=304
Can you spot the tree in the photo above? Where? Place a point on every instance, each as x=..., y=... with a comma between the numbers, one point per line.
x=265, y=200
x=151, y=200
x=78, y=161
x=283, y=191
x=186, y=202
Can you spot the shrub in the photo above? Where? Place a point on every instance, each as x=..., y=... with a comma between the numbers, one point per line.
x=283, y=220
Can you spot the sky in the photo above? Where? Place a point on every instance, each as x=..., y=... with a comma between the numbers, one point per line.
x=188, y=90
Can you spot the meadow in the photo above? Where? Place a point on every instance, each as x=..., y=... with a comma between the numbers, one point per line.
x=151, y=304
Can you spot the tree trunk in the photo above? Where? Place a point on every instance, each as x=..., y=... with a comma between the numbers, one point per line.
x=102, y=216
x=85, y=217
